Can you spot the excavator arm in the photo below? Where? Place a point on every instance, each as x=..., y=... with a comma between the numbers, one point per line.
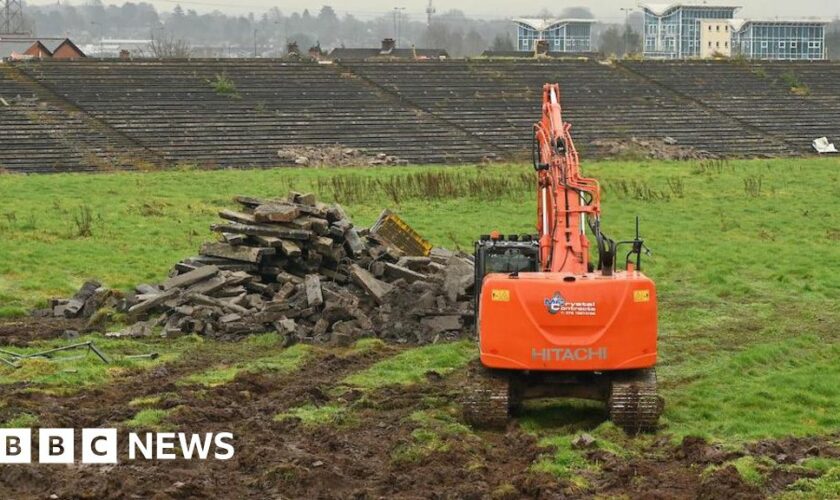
x=567, y=202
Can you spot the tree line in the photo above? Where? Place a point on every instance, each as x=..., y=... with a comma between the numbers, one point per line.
x=218, y=34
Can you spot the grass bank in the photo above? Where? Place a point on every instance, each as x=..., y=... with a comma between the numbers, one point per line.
x=743, y=259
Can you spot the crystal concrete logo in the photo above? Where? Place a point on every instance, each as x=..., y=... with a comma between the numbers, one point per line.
x=101, y=446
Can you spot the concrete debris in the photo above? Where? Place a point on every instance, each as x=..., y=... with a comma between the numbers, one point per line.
x=665, y=149
x=300, y=268
x=459, y=275
x=583, y=441
x=334, y=156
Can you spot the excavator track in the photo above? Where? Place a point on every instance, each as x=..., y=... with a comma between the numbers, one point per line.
x=486, y=398
x=634, y=404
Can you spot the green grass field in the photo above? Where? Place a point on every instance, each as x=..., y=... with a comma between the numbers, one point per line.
x=744, y=260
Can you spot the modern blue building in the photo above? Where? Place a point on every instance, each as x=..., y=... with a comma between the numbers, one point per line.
x=562, y=35
x=672, y=31
x=683, y=31
x=779, y=39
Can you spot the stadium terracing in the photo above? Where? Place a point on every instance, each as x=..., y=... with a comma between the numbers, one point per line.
x=111, y=114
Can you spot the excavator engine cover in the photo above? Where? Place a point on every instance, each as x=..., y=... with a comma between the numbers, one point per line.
x=563, y=322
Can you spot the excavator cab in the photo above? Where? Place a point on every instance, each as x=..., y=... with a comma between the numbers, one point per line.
x=551, y=323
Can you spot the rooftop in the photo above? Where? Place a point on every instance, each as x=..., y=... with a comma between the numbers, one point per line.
x=529, y=54
x=51, y=43
x=362, y=54
x=543, y=24
x=663, y=8
x=10, y=47
x=738, y=24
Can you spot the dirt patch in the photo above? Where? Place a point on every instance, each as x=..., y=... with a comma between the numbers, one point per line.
x=285, y=458
x=363, y=456
x=21, y=332
x=666, y=471
x=654, y=475
x=727, y=483
x=697, y=451
x=793, y=450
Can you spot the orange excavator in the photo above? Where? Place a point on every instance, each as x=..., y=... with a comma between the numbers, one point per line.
x=551, y=321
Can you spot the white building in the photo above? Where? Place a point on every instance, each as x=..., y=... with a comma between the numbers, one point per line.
x=562, y=35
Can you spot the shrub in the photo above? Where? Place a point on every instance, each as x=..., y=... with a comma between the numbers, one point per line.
x=223, y=85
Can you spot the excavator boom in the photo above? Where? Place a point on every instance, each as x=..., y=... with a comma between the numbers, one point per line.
x=566, y=199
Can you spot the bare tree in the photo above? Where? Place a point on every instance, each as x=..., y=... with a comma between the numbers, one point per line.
x=503, y=43
x=167, y=47
x=613, y=42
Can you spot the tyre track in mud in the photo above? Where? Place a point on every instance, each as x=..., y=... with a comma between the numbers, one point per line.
x=286, y=459
x=279, y=459
x=289, y=459
x=244, y=407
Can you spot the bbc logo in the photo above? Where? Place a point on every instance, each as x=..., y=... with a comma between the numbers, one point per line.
x=99, y=446
x=57, y=446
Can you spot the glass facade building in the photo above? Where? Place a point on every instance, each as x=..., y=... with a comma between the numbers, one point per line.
x=562, y=35
x=672, y=31
x=780, y=40
x=675, y=31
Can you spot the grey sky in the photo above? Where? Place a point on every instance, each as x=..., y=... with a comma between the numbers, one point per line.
x=607, y=10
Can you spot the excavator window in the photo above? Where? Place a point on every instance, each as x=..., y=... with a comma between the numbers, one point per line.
x=508, y=257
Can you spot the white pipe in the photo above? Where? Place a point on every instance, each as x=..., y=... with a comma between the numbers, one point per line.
x=545, y=211
x=582, y=216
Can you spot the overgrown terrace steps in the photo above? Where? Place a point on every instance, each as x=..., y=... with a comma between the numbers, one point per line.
x=97, y=114
x=175, y=109
x=759, y=96
x=500, y=100
x=42, y=132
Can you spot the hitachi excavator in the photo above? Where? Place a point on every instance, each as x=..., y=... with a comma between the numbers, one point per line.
x=552, y=322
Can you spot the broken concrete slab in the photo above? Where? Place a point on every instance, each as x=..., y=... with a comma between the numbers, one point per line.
x=243, y=253
x=276, y=213
x=153, y=301
x=374, y=287
x=312, y=284
x=459, y=276
x=440, y=324
x=396, y=272
x=189, y=278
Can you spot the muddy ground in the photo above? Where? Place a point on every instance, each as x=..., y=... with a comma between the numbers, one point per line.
x=357, y=459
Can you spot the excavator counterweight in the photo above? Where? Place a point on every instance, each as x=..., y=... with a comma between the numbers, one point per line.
x=551, y=320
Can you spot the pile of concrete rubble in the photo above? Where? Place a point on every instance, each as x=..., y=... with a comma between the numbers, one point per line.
x=302, y=268
x=655, y=149
x=334, y=156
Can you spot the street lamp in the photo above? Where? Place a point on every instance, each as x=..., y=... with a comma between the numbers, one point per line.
x=255, y=43
x=627, y=11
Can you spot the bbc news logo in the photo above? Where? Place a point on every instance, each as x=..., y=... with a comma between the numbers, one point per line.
x=100, y=446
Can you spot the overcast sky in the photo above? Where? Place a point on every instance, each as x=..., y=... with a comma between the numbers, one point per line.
x=607, y=10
